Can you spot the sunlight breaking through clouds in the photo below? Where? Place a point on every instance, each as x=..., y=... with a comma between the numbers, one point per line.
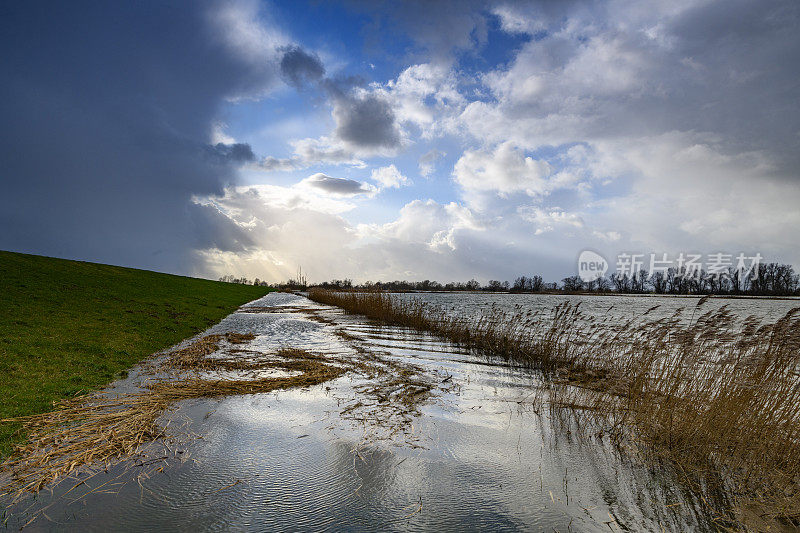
x=500, y=139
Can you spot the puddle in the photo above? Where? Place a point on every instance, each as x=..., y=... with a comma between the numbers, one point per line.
x=435, y=438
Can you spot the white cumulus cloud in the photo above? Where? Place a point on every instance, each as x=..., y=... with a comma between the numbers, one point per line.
x=388, y=177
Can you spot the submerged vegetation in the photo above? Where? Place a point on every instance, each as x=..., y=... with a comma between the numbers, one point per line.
x=715, y=396
x=101, y=427
x=69, y=327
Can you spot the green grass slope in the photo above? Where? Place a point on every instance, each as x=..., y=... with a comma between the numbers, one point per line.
x=68, y=327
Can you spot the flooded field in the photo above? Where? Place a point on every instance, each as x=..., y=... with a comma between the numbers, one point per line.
x=459, y=442
x=622, y=306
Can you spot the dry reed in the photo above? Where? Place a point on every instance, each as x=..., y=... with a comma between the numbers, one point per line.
x=717, y=397
x=100, y=428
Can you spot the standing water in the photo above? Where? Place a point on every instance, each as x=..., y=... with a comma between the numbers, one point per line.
x=446, y=441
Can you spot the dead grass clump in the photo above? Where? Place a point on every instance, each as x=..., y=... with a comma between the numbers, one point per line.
x=81, y=431
x=260, y=309
x=273, y=309
x=313, y=373
x=100, y=428
x=194, y=352
x=309, y=313
x=394, y=395
x=239, y=338
x=194, y=355
x=716, y=396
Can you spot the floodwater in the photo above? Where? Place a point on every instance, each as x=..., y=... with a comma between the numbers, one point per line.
x=481, y=450
x=617, y=306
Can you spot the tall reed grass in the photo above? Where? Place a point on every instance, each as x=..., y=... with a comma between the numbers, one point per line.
x=716, y=396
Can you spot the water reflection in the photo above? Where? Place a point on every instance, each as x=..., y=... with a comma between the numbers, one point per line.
x=614, y=306
x=487, y=452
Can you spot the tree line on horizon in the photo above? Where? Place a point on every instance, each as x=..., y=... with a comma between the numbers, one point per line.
x=767, y=279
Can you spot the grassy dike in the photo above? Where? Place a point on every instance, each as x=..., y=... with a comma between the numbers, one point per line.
x=69, y=327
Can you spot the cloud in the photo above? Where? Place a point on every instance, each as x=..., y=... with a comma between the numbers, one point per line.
x=216, y=230
x=219, y=135
x=504, y=170
x=324, y=151
x=106, y=123
x=427, y=163
x=297, y=196
x=596, y=71
x=426, y=223
x=389, y=177
x=300, y=68
x=365, y=121
x=651, y=127
x=337, y=186
x=287, y=229
x=365, y=125
x=309, y=152
x=234, y=152
x=426, y=240
x=668, y=126
x=689, y=193
x=368, y=120
x=642, y=126
x=549, y=219
x=273, y=164
x=439, y=29
x=244, y=33
x=427, y=96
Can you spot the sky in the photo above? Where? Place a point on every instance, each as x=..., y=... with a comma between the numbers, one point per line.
x=413, y=140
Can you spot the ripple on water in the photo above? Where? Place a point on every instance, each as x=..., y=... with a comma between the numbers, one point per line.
x=287, y=460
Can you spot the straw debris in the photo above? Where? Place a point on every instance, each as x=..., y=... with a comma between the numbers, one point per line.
x=100, y=428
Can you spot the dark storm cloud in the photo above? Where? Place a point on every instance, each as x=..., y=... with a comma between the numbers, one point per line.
x=366, y=122
x=341, y=186
x=363, y=120
x=299, y=68
x=748, y=54
x=235, y=153
x=106, y=110
x=215, y=230
x=439, y=27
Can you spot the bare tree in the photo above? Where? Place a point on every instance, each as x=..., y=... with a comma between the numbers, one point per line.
x=659, y=282
x=572, y=284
